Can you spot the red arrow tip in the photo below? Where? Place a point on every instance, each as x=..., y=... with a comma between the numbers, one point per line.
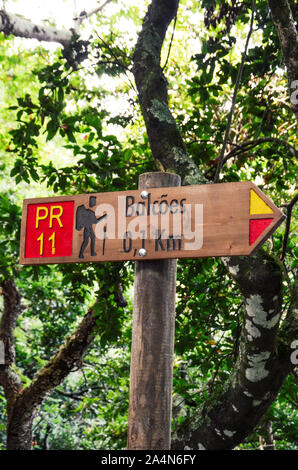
x=257, y=227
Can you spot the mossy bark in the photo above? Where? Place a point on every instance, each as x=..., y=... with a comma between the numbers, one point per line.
x=164, y=136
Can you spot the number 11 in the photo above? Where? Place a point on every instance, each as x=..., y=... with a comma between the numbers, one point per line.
x=51, y=238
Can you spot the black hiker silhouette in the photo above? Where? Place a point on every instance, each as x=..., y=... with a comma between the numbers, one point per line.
x=86, y=218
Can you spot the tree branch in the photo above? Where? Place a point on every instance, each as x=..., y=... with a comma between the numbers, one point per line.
x=12, y=309
x=84, y=15
x=80, y=394
x=9, y=379
x=166, y=144
x=237, y=85
x=69, y=355
x=288, y=223
x=245, y=146
x=170, y=45
x=285, y=25
x=22, y=27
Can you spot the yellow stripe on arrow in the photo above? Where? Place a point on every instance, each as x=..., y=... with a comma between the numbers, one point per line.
x=257, y=205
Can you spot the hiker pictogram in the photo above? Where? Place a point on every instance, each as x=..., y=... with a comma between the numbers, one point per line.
x=86, y=218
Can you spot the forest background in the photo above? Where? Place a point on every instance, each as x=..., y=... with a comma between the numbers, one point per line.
x=90, y=101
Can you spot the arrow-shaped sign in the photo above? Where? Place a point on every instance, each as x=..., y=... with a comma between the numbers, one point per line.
x=226, y=219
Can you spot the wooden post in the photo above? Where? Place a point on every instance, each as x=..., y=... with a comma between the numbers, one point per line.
x=151, y=372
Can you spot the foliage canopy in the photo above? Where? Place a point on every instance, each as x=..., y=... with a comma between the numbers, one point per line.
x=71, y=123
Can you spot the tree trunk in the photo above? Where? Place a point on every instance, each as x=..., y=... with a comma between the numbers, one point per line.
x=19, y=429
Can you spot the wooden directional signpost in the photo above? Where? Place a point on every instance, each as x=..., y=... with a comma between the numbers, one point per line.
x=227, y=219
x=153, y=226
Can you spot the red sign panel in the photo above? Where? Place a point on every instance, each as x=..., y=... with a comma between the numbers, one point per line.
x=49, y=230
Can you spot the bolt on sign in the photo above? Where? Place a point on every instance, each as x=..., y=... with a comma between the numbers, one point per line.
x=226, y=219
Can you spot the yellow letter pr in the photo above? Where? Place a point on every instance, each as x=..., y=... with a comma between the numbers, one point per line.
x=56, y=216
x=41, y=217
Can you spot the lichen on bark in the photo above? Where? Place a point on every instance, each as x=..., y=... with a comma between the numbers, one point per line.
x=259, y=372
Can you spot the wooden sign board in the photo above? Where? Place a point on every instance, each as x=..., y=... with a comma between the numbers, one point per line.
x=226, y=219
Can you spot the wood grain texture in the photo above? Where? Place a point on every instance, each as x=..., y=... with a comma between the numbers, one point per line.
x=151, y=373
x=225, y=218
